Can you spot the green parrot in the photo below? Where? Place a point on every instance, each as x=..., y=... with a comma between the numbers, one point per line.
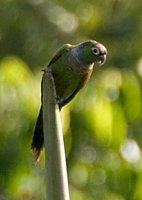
x=71, y=67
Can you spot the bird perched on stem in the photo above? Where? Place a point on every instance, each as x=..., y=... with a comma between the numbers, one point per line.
x=71, y=67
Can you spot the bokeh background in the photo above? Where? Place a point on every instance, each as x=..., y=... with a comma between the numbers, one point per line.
x=102, y=125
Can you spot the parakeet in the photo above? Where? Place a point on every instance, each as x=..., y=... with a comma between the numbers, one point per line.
x=71, y=67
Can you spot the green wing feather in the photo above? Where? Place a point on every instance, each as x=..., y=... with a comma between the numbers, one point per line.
x=59, y=53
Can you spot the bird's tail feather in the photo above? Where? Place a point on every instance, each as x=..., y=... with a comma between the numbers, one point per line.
x=38, y=139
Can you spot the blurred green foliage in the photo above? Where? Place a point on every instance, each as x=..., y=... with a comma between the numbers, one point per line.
x=102, y=125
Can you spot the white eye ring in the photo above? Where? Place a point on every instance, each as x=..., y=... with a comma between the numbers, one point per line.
x=95, y=51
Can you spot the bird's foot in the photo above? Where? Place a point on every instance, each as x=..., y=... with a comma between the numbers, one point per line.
x=59, y=101
x=48, y=72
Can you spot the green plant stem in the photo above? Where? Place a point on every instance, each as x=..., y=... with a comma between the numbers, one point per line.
x=55, y=161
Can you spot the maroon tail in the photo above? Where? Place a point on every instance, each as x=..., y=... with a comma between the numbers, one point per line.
x=38, y=139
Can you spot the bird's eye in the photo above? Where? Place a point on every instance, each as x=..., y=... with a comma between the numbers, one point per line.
x=96, y=51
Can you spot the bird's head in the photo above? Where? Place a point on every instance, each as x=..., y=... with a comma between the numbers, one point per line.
x=94, y=52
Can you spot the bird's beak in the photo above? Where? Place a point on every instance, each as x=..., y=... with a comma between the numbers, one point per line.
x=101, y=59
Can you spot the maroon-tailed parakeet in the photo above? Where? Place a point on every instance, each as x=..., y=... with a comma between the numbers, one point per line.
x=71, y=67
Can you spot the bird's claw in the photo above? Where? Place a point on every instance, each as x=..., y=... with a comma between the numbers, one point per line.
x=59, y=101
x=48, y=72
